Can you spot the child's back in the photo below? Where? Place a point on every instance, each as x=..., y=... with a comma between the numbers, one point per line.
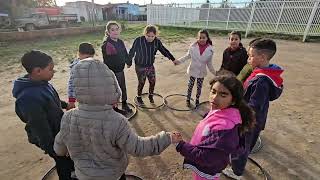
x=38, y=105
x=98, y=138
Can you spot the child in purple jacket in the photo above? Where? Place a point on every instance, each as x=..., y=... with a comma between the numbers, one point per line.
x=217, y=135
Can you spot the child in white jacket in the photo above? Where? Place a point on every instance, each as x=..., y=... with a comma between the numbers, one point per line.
x=201, y=53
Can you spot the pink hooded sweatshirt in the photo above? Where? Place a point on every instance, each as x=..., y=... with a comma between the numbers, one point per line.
x=221, y=119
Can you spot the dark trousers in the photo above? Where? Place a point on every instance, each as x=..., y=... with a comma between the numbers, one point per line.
x=64, y=167
x=143, y=73
x=122, y=83
x=239, y=162
x=190, y=87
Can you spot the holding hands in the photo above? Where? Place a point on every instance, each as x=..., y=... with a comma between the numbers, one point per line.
x=176, y=137
x=176, y=62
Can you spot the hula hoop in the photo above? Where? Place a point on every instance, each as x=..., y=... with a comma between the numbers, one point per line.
x=264, y=172
x=145, y=107
x=257, y=147
x=134, y=110
x=48, y=173
x=133, y=177
x=202, y=103
x=170, y=107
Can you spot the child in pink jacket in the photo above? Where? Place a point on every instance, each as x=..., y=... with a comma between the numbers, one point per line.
x=217, y=135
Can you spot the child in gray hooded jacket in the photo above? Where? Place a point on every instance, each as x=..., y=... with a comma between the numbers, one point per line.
x=96, y=137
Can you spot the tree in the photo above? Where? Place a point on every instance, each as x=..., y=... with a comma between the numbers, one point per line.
x=46, y=3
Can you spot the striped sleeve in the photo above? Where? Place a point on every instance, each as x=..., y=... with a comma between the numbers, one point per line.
x=132, y=52
x=164, y=51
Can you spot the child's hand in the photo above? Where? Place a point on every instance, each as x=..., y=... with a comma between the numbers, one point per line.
x=176, y=62
x=176, y=137
x=71, y=105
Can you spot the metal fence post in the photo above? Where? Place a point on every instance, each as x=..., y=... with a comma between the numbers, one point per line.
x=228, y=18
x=280, y=15
x=313, y=12
x=251, y=17
x=208, y=16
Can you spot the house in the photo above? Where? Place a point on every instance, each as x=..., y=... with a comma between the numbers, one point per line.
x=84, y=10
x=142, y=13
x=121, y=11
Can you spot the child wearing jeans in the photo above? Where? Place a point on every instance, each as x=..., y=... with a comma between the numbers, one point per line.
x=95, y=136
x=216, y=137
x=200, y=53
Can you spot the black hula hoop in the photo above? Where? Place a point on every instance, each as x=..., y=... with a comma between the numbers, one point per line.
x=145, y=107
x=264, y=172
x=134, y=110
x=48, y=173
x=257, y=147
x=170, y=107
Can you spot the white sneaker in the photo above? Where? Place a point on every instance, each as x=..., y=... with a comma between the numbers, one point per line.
x=229, y=173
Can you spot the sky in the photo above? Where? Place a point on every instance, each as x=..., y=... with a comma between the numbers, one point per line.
x=141, y=2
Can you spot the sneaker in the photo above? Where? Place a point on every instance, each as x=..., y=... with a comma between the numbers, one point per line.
x=151, y=99
x=126, y=107
x=140, y=102
x=229, y=173
x=188, y=103
x=197, y=102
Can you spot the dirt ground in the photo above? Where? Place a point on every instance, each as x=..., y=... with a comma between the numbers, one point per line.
x=291, y=138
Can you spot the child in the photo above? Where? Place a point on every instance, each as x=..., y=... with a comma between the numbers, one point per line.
x=115, y=56
x=39, y=106
x=144, y=49
x=85, y=51
x=263, y=85
x=217, y=135
x=247, y=69
x=235, y=56
x=201, y=53
x=96, y=137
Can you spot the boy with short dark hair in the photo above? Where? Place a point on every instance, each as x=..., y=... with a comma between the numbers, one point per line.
x=39, y=106
x=262, y=86
x=85, y=51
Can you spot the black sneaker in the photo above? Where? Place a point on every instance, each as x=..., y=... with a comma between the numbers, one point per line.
x=126, y=107
x=188, y=103
x=197, y=102
x=140, y=102
x=151, y=99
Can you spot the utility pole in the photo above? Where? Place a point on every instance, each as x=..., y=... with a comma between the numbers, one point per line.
x=93, y=14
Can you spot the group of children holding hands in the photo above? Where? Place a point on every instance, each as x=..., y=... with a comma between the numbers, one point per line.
x=94, y=140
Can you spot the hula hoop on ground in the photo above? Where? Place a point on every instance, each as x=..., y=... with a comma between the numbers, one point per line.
x=134, y=110
x=264, y=172
x=145, y=107
x=133, y=177
x=198, y=107
x=257, y=147
x=48, y=173
x=128, y=176
x=176, y=109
